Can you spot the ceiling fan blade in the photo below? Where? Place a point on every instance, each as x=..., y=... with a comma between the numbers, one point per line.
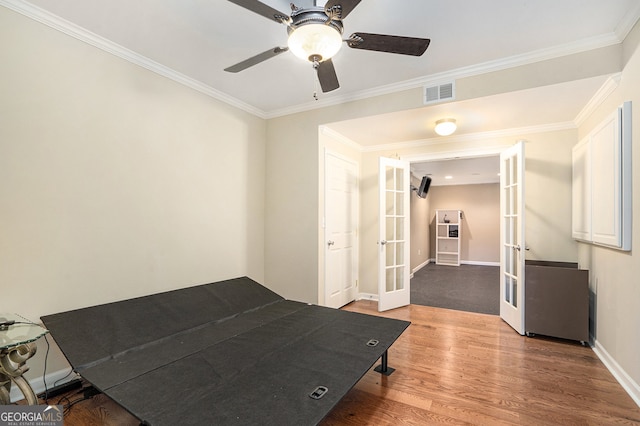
x=263, y=10
x=346, y=6
x=256, y=59
x=327, y=76
x=389, y=43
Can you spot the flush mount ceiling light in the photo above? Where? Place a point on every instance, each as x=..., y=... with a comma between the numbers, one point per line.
x=446, y=126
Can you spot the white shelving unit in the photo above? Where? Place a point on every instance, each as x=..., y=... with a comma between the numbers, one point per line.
x=448, y=234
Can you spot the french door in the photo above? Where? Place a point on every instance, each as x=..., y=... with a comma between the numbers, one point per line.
x=393, y=238
x=512, y=286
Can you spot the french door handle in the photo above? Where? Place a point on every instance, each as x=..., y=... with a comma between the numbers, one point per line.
x=383, y=242
x=330, y=243
x=517, y=247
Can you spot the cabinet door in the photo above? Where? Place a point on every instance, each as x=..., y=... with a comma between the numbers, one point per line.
x=605, y=184
x=601, y=190
x=581, y=191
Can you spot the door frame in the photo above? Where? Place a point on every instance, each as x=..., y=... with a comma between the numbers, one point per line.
x=457, y=155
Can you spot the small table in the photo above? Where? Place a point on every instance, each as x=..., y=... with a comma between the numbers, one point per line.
x=17, y=345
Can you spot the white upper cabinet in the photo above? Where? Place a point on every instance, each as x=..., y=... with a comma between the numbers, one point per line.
x=601, y=187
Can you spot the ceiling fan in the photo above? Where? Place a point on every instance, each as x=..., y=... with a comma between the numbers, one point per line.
x=315, y=34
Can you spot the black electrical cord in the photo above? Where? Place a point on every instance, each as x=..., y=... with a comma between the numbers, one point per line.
x=44, y=372
x=66, y=401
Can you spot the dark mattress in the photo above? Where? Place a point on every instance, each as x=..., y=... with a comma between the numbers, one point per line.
x=231, y=352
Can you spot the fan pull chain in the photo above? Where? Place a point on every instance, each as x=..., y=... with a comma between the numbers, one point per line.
x=315, y=80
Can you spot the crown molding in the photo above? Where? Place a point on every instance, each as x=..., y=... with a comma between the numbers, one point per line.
x=44, y=17
x=470, y=71
x=603, y=92
x=329, y=132
x=628, y=22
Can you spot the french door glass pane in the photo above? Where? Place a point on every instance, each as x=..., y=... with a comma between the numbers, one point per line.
x=399, y=253
x=507, y=230
x=399, y=180
x=399, y=228
x=389, y=176
x=390, y=227
x=390, y=279
x=400, y=278
x=507, y=289
x=389, y=206
x=391, y=252
x=399, y=203
x=507, y=200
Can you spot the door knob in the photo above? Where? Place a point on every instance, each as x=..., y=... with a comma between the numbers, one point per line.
x=383, y=242
x=330, y=243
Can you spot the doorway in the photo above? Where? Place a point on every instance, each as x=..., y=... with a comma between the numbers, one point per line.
x=473, y=187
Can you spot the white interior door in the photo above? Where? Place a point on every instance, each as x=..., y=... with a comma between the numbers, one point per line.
x=393, y=241
x=512, y=287
x=341, y=226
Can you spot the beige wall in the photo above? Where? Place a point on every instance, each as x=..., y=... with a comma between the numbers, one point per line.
x=116, y=182
x=480, y=205
x=614, y=274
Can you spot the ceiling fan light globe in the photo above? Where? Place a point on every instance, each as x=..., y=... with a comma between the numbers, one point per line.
x=445, y=127
x=315, y=40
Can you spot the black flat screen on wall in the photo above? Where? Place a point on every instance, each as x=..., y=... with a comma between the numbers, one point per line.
x=424, y=187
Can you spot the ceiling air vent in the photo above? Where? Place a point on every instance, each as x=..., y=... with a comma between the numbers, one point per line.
x=439, y=93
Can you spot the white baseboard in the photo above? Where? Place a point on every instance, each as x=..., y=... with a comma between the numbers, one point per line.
x=367, y=296
x=629, y=385
x=37, y=384
x=462, y=262
x=420, y=266
x=473, y=262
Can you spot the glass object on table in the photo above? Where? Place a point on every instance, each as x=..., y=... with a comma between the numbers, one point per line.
x=17, y=345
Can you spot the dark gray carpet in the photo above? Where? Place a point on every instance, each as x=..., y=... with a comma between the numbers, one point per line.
x=470, y=288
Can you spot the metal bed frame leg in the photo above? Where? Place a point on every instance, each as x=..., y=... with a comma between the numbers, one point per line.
x=384, y=368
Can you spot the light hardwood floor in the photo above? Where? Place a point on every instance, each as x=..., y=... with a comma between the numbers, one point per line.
x=456, y=367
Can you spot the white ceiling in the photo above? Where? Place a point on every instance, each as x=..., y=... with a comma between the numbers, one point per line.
x=199, y=38
x=466, y=171
x=553, y=104
x=193, y=41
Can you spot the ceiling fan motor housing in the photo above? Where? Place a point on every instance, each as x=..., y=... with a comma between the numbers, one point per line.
x=320, y=36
